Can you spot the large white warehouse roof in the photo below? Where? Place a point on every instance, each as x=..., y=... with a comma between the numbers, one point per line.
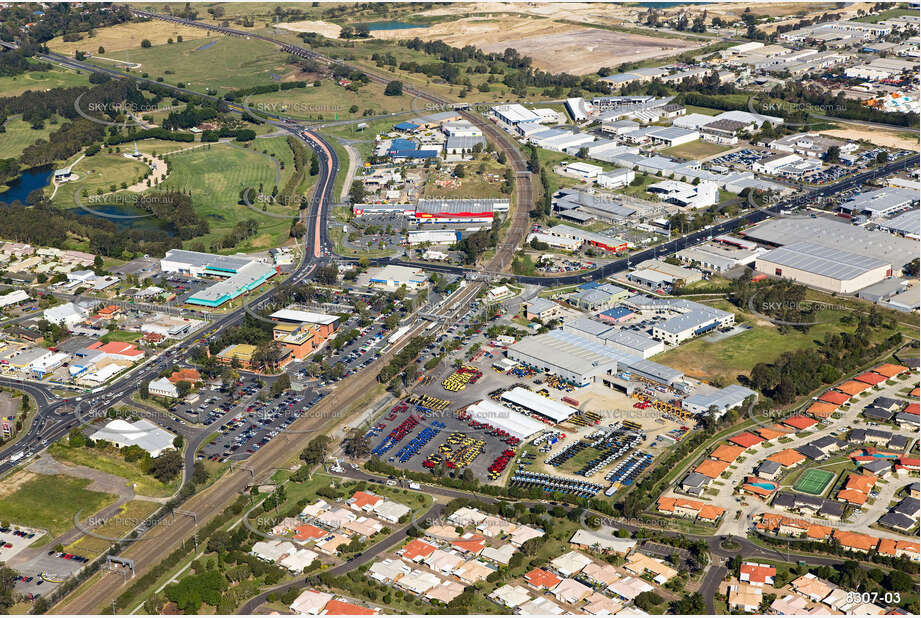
x=497, y=415
x=554, y=410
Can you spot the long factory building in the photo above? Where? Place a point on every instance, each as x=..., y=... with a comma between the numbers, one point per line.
x=240, y=274
x=580, y=361
x=439, y=210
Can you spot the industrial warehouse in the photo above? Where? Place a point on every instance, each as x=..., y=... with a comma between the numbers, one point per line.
x=825, y=268
x=241, y=274
x=439, y=210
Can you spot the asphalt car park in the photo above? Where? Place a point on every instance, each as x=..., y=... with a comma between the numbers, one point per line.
x=248, y=427
x=14, y=541
x=45, y=572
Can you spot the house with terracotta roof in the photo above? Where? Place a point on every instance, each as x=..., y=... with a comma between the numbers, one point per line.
x=890, y=370
x=727, y=453
x=470, y=543
x=822, y=409
x=746, y=439
x=899, y=548
x=912, y=408
x=754, y=486
x=711, y=468
x=852, y=388
x=787, y=457
x=873, y=379
x=416, y=550
x=335, y=607
x=799, y=422
x=308, y=532
x=834, y=397
x=121, y=350
x=770, y=433
x=684, y=507
x=541, y=579
x=364, y=501
x=186, y=374
x=757, y=574
x=854, y=541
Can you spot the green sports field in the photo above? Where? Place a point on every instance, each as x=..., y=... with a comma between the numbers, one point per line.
x=813, y=481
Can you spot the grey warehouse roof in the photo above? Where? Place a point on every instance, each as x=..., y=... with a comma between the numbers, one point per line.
x=821, y=260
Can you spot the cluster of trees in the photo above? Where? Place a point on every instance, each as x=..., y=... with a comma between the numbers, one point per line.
x=17, y=61
x=176, y=210
x=131, y=135
x=57, y=20
x=477, y=243
x=240, y=232
x=516, y=70
x=242, y=93
x=402, y=358
x=191, y=116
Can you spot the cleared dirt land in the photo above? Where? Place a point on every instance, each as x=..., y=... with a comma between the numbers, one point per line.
x=891, y=139
x=330, y=31
x=555, y=47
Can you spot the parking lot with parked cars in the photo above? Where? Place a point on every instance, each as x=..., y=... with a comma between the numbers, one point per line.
x=249, y=426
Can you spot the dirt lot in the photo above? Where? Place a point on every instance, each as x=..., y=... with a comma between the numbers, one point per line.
x=554, y=46
x=891, y=139
x=325, y=28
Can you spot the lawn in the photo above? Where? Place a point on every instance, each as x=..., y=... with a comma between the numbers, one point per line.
x=888, y=14
x=229, y=64
x=127, y=518
x=98, y=175
x=215, y=175
x=111, y=462
x=41, y=80
x=736, y=355
x=50, y=502
x=126, y=36
x=20, y=134
x=330, y=101
x=639, y=190
x=706, y=111
x=121, y=335
x=696, y=150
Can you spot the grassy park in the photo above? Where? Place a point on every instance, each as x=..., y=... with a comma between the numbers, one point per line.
x=215, y=174
x=50, y=502
x=102, y=173
x=228, y=64
x=20, y=134
x=41, y=80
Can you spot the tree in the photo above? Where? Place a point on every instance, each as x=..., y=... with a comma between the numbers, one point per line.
x=145, y=43
x=394, y=88
x=315, y=451
x=831, y=155
x=102, y=49
x=280, y=385
x=356, y=444
x=314, y=165
x=167, y=466
x=460, y=171
x=357, y=192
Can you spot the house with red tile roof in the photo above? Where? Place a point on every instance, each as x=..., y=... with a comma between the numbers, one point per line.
x=335, y=607
x=746, y=440
x=834, y=397
x=898, y=548
x=752, y=486
x=711, y=468
x=757, y=574
x=871, y=378
x=822, y=409
x=470, y=544
x=727, y=453
x=890, y=370
x=417, y=550
x=308, y=532
x=787, y=457
x=852, y=387
x=912, y=408
x=799, y=422
x=855, y=541
x=364, y=501
x=542, y=579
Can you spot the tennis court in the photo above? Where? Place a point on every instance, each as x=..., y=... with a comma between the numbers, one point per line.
x=814, y=481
